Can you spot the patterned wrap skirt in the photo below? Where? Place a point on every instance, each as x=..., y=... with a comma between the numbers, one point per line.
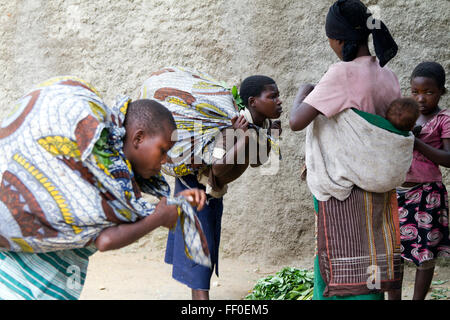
x=423, y=214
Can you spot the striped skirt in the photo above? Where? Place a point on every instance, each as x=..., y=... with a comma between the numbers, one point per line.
x=358, y=243
x=56, y=275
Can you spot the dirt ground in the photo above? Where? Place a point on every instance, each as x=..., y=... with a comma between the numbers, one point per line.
x=140, y=274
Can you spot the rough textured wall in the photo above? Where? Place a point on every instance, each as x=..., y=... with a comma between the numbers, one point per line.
x=116, y=44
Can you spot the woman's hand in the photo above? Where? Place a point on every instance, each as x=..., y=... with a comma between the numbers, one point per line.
x=196, y=197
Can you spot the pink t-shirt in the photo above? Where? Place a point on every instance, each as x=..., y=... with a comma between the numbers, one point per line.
x=360, y=84
x=422, y=169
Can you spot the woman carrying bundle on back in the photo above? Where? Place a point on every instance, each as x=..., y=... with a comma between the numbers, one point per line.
x=217, y=162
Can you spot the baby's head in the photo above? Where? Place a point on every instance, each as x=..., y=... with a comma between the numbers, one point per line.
x=403, y=113
x=149, y=136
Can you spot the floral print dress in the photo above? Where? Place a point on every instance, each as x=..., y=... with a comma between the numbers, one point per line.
x=423, y=214
x=423, y=209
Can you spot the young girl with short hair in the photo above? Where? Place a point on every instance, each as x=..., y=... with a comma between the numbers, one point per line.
x=423, y=199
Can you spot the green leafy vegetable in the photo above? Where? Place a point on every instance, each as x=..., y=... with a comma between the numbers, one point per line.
x=439, y=282
x=288, y=284
x=237, y=98
x=441, y=293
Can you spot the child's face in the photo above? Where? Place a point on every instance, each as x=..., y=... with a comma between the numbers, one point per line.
x=269, y=103
x=427, y=94
x=147, y=153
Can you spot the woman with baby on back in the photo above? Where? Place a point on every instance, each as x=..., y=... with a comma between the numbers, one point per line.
x=358, y=242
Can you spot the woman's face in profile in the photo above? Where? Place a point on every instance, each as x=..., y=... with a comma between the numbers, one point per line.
x=337, y=46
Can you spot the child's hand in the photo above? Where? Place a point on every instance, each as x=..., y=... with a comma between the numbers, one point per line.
x=239, y=123
x=276, y=125
x=303, y=172
x=168, y=214
x=416, y=131
x=196, y=197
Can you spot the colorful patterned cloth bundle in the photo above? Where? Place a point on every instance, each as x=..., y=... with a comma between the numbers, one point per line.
x=64, y=177
x=202, y=106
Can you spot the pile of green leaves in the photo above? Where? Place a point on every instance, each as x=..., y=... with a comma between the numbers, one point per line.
x=288, y=284
x=440, y=293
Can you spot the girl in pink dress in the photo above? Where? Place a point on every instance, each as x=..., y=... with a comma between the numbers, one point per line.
x=423, y=200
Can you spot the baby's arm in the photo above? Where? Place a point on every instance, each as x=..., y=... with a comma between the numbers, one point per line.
x=165, y=215
x=438, y=156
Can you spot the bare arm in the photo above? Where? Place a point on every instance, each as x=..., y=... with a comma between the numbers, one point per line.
x=165, y=215
x=224, y=166
x=125, y=234
x=228, y=168
x=438, y=156
x=302, y=114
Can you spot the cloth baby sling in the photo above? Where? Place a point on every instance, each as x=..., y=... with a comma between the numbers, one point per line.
x=355, y=148
x=354, y=161
x=201, y=106
x=64, y=177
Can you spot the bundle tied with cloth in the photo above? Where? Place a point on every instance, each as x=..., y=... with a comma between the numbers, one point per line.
x=202, y=107
x=64, y=176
